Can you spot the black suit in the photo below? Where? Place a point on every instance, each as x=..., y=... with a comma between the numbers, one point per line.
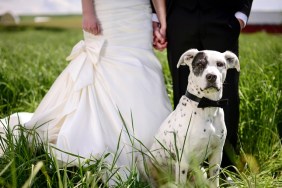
x=206, y=24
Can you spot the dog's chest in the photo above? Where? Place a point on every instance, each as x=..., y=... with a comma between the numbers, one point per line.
x=207, y=131
x=191, y=129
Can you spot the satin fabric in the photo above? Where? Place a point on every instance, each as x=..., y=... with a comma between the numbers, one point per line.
x=113, y=79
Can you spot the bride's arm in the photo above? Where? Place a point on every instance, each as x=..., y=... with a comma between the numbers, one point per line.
x=90, y=22
x=160, y=7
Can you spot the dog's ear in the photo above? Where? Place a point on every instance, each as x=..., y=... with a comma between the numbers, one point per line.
x=232, y=60
x=187, y=57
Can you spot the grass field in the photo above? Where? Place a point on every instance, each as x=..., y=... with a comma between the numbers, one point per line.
x=32, y=56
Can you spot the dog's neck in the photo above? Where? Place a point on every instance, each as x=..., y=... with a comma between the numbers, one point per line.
x=205, y=102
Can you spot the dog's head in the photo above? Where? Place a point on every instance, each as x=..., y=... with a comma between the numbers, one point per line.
x=208, y=71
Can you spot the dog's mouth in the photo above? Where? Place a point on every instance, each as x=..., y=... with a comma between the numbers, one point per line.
x=211, y=87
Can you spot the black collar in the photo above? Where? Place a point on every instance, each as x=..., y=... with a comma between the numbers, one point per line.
x=205, y=102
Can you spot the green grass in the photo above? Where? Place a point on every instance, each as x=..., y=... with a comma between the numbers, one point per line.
x=31, y=57
x=30, y=61
x=260, y=89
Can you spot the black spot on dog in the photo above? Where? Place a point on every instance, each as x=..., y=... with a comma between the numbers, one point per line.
x=183, y=171
x=204, y=130
x=184, y=104
x=199, y=63
x=215, y=171
x=195, y=113
x=222, y=131
x=173, y=156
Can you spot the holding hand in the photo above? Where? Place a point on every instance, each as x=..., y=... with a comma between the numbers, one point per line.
x=159, y=29
x=159, y=37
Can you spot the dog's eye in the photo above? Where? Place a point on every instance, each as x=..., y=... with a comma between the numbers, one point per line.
x=220, y=64
x=200, y=65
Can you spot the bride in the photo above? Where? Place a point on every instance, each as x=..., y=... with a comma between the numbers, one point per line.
x=113, y=86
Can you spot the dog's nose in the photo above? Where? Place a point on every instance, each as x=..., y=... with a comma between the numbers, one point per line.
x=211, y=78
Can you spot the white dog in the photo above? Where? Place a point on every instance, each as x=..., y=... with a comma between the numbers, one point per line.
x=195, y=130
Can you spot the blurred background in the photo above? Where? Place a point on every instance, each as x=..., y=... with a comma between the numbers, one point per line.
x=265, y=15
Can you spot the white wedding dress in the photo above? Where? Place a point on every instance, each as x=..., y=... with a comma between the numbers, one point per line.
x=110, y=76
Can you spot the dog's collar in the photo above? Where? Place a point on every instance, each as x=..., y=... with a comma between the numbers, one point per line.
x=205, y=102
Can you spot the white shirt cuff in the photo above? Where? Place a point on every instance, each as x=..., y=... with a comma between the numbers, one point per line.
x=242, y=16
x=155, y=18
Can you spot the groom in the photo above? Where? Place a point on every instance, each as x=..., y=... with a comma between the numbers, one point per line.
x=212, y=25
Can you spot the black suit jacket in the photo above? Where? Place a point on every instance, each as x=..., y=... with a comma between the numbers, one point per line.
x=231, y=6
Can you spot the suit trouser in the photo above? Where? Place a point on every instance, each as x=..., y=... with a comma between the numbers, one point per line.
x=212, y=30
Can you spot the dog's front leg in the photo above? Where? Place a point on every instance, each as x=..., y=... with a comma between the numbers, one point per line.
x=214, y=167
x=181, y=170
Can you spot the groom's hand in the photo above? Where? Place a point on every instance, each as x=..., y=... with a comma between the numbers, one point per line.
x=241, y=22
x=159, y=38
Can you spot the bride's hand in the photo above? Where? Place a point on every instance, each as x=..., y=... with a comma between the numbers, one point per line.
x=159, y=37
x=91, y=24
x=160, y=32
